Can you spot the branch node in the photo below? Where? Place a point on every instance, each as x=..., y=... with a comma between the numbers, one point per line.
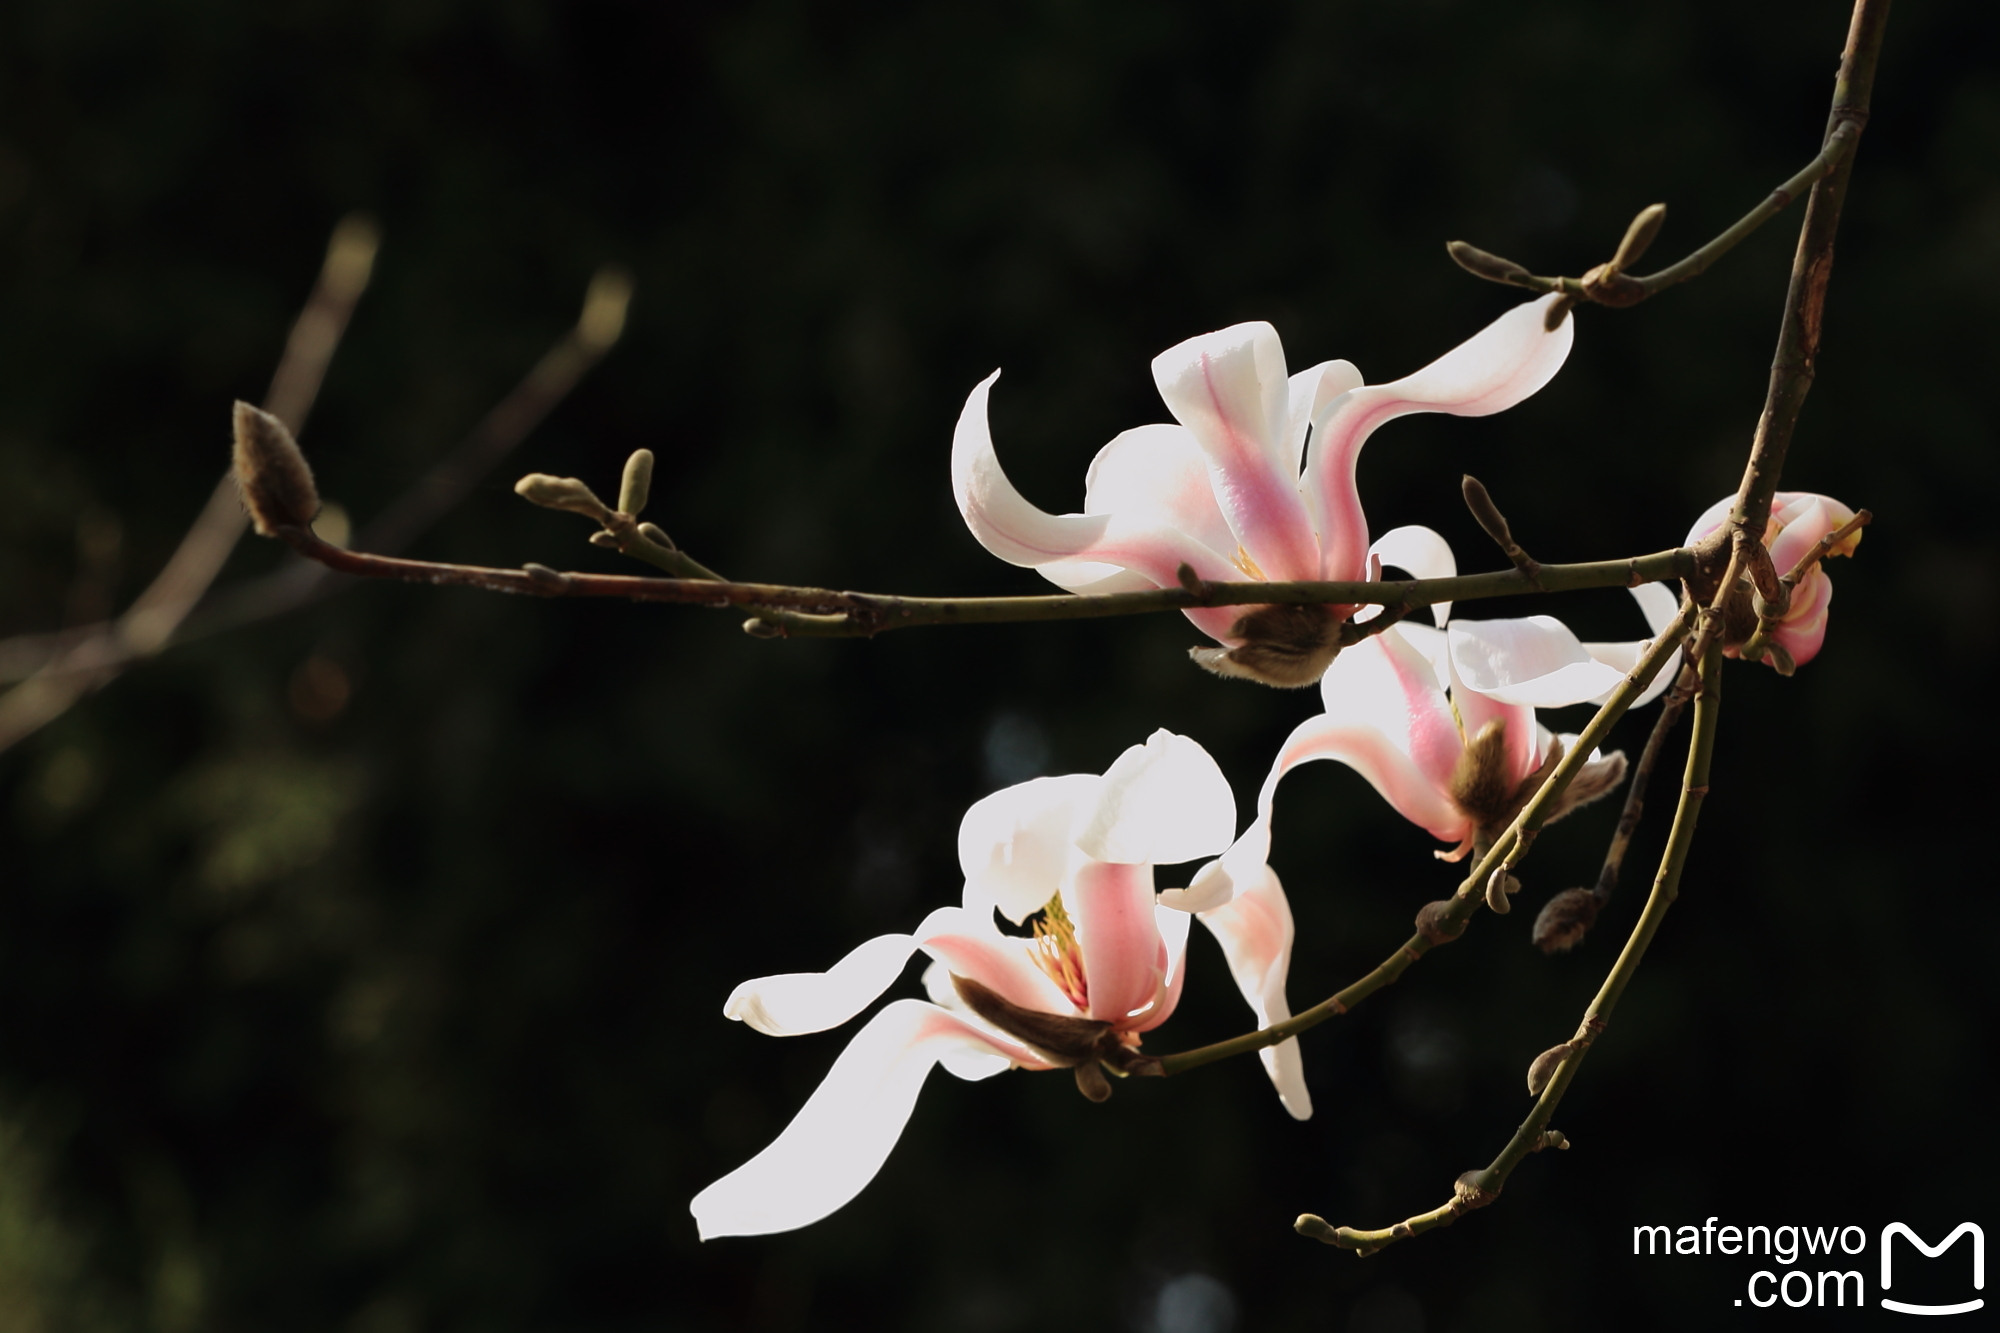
x=759, y=628
x=545, y=579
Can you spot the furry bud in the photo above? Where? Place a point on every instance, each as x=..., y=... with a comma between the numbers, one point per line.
x=1285, y=646
x=1564, y=920
x=271, y=474
x=1481, y=264
x=1090, y=1081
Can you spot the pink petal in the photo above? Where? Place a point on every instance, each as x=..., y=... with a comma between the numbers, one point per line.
x=1255, y=931
x=1229, y=389
x=1803, y=629
x=846, y=1130
x=1496, y=368
x=1112, y=906
x=1476, y=710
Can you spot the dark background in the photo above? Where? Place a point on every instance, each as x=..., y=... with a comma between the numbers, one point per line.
x=408, y=1018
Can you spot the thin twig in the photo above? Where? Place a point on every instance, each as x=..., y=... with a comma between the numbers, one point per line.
x=860, y=614
x=1609, y=285
x=86, y=662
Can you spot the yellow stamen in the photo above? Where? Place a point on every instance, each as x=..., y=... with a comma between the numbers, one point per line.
x=1249, y=566
x=1057, y=954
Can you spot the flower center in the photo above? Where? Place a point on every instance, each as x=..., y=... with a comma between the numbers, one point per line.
x=1057, y=954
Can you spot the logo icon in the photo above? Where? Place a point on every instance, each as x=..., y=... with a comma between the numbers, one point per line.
x=1895, y=1229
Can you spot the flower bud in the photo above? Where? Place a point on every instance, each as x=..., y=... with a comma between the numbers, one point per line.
x=1498, y=886
x=1090, y=1081
x=561, y=493
x=1545, y=1066
x=637, y=486
x=1315, y=1227
x=1481, y=264
x=1564, y=920
x=271, y=474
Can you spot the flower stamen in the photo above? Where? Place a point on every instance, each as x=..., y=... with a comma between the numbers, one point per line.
x=1057, y=954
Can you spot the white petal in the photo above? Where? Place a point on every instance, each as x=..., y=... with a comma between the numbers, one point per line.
x=1658, y=603
x=1424, y=553
x=845, y=1131
x=1014, y=846
x=1162, y=802
x=1536, y=662
x=796, y=1002
x=1158, y=475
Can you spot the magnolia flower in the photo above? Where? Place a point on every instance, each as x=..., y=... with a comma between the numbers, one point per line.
x=1256, y=482
x=1442, y=724
x=1799, y=520
x=1103, y=966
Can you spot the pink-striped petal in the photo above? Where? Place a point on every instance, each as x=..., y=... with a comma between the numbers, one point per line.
x=1255, y=931
x=1496, y=368
x=1112, y=906
x=846, y=1130
x=1803, y=629
x=1229, y=389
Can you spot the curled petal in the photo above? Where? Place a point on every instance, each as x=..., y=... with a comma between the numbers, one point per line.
x=1229, y=389
x=1161, y=802
x=1098, y=552
x=1423, y=553
x=1112, y=906
x=1015, y=846
x=1496, y=368
x=999, y=516
x=1255, y=931
x=1157, y=476
x=845, y=1131
x=797, y=1002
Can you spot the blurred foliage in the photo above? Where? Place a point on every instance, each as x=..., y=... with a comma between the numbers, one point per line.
x=362, y=968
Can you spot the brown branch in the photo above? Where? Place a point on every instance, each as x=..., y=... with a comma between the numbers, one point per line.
x=1793, y=367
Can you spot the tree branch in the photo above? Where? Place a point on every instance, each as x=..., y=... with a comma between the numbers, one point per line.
x=1444, y=921
x=1476, y=1189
